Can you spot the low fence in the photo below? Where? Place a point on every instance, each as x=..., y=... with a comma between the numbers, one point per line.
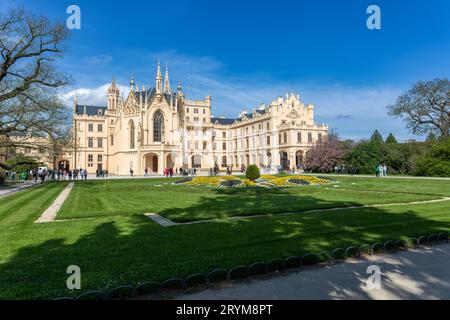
x=203, y=280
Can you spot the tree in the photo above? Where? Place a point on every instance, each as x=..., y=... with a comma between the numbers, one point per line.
x=366, y=155
x=425, y=107
x=252, y=172
x=435, y=162
x=431, y=137
x=376, y=137
x=391, y=139
x=29, y=81
x=22, y=163
x=325, y=155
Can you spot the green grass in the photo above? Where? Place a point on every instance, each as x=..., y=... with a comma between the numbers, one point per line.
x=120, y=246
x=189, y=203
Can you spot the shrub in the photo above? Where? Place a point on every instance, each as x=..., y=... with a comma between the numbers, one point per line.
x=436, y=162
x=252, y=172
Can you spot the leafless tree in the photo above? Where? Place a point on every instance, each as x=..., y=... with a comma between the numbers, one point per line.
x=425, y=107
x=29, y=80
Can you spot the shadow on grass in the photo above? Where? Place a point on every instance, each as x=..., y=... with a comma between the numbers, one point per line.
x=250, y=201
x=132, y=249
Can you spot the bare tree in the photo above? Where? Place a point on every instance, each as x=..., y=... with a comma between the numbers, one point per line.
x=425, y=107
x=29, y=81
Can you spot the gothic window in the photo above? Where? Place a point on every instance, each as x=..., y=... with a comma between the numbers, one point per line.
x=224, y=161
x=131, y=129
x=158, y=123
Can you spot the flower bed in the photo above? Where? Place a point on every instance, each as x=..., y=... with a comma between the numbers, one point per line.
x=297, y=180
x=220, y=181
x=266, y=180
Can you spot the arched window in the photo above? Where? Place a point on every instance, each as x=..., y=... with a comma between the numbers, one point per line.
x=196, y=161
x=224, y=161
x=158, y=122
x=131, y=128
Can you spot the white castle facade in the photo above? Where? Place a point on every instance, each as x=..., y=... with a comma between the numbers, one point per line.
x=158, y=128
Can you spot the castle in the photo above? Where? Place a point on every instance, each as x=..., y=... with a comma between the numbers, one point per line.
x=157, y=128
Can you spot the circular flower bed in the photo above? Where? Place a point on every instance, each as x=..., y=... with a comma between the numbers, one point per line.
x=219, y=181
x=296, y=180
x=263, y=181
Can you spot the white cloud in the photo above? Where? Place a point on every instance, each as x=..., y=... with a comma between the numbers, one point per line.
x=100, y=59
x=91, y=96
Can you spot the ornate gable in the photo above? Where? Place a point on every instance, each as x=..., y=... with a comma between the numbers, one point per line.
x=293, y=114
x=131, y=107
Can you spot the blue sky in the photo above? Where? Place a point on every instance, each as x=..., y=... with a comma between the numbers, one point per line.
x=243, y=53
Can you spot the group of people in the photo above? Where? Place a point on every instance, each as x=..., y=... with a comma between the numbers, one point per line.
x=170, y=172
x=45, y=174
x=75, y=174
x=100, y=173
x=381, y=170
x=215, y=171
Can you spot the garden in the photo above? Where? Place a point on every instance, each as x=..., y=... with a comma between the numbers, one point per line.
x=102, y=228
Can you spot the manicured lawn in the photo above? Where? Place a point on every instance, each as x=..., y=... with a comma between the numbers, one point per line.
x=120, y=246
x=190, y=203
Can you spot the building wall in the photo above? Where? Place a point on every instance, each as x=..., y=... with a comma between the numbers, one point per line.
x=272, y=135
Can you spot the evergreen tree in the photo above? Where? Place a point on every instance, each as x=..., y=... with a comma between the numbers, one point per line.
x=391, y=139
x=365, y=156
x=376, y=137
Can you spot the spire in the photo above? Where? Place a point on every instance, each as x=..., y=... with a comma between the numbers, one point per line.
x=132, y=83
x=113, y=89
x=166, y=81
x=75, y=101
x=158, y=79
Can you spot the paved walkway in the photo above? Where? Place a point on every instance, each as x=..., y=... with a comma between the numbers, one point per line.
x=50, y=214
x=164, y=222
x=11, y=189
x=415, y=274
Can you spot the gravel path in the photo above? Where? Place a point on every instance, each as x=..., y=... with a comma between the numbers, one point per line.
x=50, y=213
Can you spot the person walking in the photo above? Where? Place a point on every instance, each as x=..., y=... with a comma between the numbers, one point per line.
x=171, y=172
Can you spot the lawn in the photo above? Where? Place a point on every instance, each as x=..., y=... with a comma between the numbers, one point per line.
x=118, y=245
x=189, y=203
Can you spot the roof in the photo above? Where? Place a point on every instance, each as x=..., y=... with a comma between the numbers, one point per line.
x=25, y=134
x=90, y=110
x=150, y=93
x=223, y=121
x=228, y=121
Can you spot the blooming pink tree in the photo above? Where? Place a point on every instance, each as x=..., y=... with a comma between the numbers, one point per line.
x=325, y=155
